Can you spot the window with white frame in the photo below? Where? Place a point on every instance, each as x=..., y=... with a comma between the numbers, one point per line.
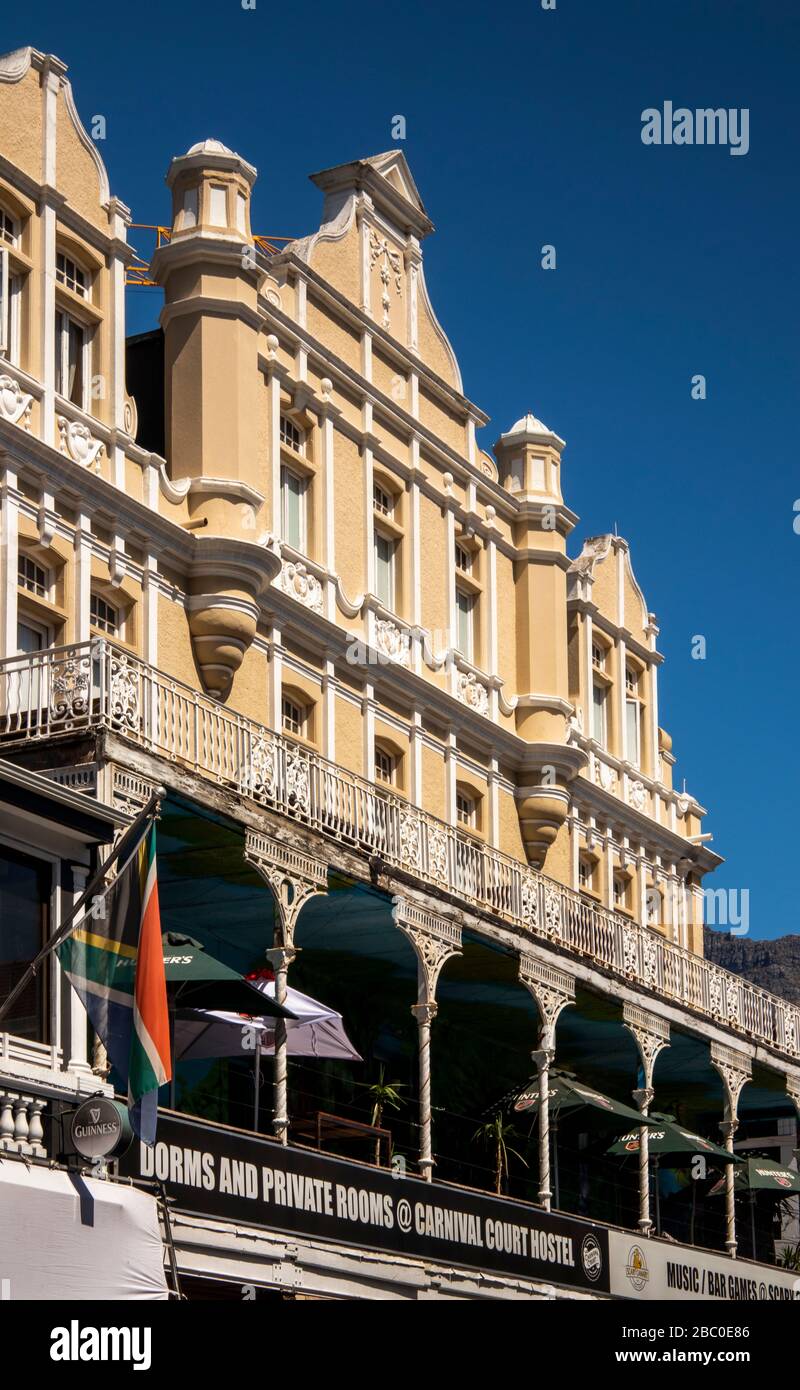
x=585, y=873
x=293, y=508
x=385, y=766
x=598, y=656
x=293, y=716
x=599, y=721
x=621, y=891
x=72, y=275
x=466, y=809
x=633, y=718
x=654, y=907
x=10, y=291
x=384, y=569
x=291, y=435
x=382, y=500
x=463, y=559
x=104, y=616
x=72, y=366
x=189, y=209
x=32, y=576
x=218, y=205
x=465, y=622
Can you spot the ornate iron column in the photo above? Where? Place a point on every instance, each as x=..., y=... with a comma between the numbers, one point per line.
x=651, y=1035
x=294, y=877
x=435, y=938
x=552, y=990
x=736, y=1070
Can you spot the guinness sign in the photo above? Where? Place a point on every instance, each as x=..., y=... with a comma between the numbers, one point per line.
x=101, y=1128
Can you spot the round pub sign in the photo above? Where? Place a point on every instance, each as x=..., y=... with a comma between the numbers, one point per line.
x=101, y=1128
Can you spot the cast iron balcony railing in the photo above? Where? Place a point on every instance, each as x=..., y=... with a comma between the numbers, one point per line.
x=96, y=685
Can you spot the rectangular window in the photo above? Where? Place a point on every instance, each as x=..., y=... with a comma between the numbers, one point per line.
x=382, y=500
x=291, y=435
x=384, y=569
x=70, y=359
x=584, y=874
x=32, y=577
x=218, y=211
x=69, y=273
x=599, y=732
x=632, y=725
x=189, y=209
x=103, y=615
x=466, y=810
x=384, y=766
x=631, y=680
x=465, y=609
x=25, y=885
x=293, y=717
x=620, y=892
x=293, y=509
x=598, y=656
x=5, y=303
x=8, y=228
x=463, y=559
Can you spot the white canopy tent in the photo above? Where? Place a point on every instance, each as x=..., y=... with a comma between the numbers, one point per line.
x=67, y=1237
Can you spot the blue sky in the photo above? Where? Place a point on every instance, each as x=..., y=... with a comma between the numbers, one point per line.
x=524, y=129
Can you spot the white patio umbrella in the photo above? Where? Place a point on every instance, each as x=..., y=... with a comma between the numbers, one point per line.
x=315, y=1031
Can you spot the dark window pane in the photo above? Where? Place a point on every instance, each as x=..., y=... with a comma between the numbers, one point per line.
x=24, y=909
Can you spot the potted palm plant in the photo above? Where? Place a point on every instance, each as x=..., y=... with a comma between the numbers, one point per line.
x=495, y=1135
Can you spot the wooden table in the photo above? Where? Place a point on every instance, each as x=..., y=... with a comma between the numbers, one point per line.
x=324, y=1125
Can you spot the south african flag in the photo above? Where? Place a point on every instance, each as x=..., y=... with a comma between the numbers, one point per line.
x=115, y=962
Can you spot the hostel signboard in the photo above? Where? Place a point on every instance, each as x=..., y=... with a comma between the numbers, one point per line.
x=247, y=1178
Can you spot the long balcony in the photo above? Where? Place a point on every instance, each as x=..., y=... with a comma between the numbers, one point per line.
x=95, y=685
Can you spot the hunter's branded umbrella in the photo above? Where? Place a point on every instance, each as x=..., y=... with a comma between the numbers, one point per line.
x=670, y=1140
x=567, y=1097
x=762, y=1175
x=196, y=980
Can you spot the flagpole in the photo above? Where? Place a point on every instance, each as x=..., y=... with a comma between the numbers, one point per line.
x=130, y=841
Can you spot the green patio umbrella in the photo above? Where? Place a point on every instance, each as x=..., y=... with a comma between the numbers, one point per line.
x=670, y=1140
x=567, y=1097
x=674, y=1146
x=196, y=980
x=760, y=1175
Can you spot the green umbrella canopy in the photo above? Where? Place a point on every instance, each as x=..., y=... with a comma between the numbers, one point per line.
x=762, y=1175
x=196, y=980
x=670, y=1140
x=567, y=1096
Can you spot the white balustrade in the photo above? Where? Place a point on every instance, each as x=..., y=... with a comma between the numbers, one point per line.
x=94, y=685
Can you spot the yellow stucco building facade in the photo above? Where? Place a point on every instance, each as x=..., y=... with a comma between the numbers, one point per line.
x=294, y=516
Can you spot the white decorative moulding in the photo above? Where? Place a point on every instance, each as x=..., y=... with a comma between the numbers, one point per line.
x=79, y=444
x=390, y=269
x=605, y=776
x=392, y=641
x=295, y=580
x=470, y=692
x=637, y=795
x=15, y=404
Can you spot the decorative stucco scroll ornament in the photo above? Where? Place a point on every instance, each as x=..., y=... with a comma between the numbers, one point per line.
x=79, y=444
x=390, y=270
x=392, y=641
x=296, y=581
x=470, y=692
x=15, y=404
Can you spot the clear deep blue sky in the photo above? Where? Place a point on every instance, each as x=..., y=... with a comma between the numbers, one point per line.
x=523, y=128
